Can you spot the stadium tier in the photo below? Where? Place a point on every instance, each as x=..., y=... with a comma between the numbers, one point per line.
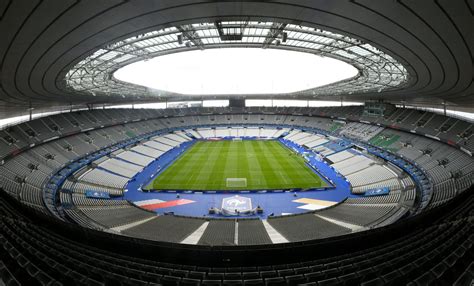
x=433, y=247
x=37, y=175
x=229, y=142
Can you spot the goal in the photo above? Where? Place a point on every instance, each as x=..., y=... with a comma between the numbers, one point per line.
x=236, y=182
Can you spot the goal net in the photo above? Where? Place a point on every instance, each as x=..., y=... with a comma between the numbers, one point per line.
x=236, y=182
x=237, y=139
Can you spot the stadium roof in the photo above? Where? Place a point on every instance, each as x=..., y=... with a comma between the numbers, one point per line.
x=59, y=53
x=377, y=71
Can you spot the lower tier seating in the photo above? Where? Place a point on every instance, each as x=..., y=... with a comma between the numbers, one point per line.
x=307, y=226
x=357, y=214
x=219, y=232
x=435, y=248
x=252, y=232
x=113, y=215
x=165, y=228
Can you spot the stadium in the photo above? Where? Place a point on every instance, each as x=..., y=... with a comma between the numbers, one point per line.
x=271, y=143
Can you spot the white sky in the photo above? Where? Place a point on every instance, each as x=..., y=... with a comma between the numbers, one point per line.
x=236, y=71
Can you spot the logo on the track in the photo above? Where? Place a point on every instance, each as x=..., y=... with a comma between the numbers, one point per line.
x=237, y=203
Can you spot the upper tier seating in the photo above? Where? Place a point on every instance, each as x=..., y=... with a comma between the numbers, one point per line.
x=16, y=138
x=360, y=131
x=236, y=132
x=448, y=168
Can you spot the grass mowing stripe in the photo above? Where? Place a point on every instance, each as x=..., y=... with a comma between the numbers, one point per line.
x=219, y=158
x=234, y=167
x=173, y=175
x=265, y=162
x=280, y=159
x=293, y=163
x=200, y=170
x=287, y=159
x=207, y=169
x=306, y=173
x=242, y=164
x=254, y=167
x=196, y=156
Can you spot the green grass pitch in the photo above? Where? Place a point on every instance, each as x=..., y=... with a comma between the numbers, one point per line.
x=266, y=164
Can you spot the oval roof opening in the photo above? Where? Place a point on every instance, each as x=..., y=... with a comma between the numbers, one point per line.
x=236, y=71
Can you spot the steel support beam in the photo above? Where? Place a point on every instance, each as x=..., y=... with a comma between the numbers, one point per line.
x=275, y=31
x=191, y=34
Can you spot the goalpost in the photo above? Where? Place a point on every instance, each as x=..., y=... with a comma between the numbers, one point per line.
x=236, y=182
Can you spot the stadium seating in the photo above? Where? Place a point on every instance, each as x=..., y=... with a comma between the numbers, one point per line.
x=358, y=214
x=111, y=215
x=120, y=167
x=135, y=158
x=435, y=247
x=24, y=175
x=229, y=142
x=252, y=232
x=103, y=178
x=219, y=232
x=165, y=228
x=305, y=227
